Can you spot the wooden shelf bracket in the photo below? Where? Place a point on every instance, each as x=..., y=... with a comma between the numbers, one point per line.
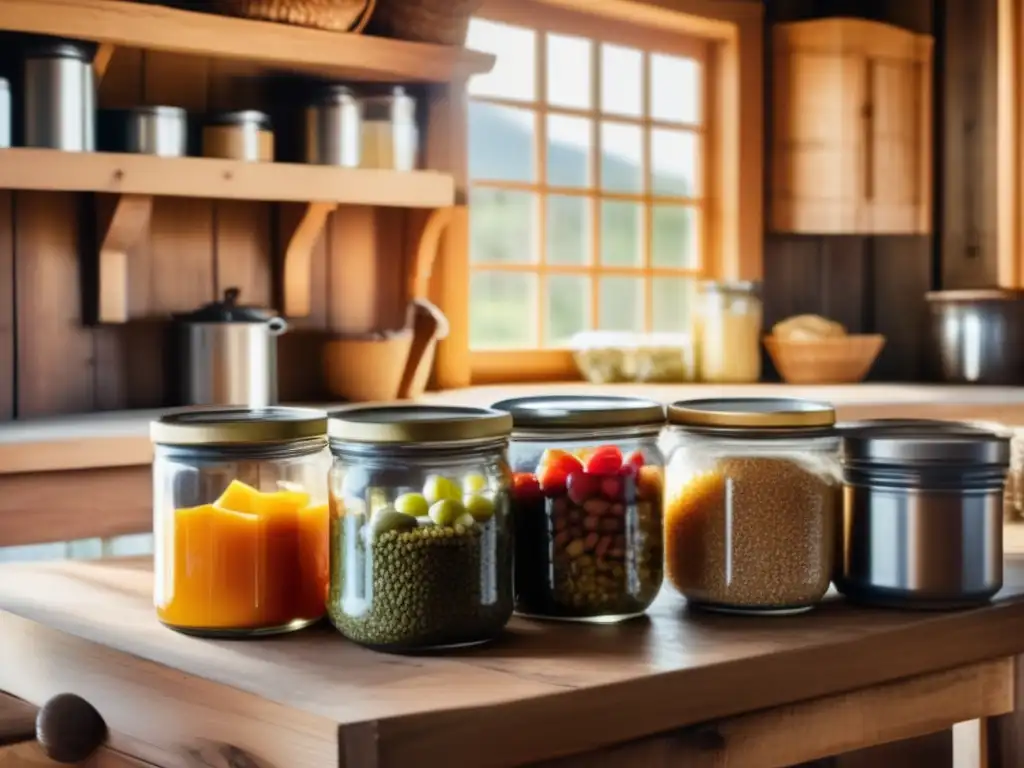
x=101, y=61
x=298, y=257
x=126, y=224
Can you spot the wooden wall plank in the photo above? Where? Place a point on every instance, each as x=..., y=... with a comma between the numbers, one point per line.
x=243, y=240
x=8, y=348
x=901, y=274
x=55, y=352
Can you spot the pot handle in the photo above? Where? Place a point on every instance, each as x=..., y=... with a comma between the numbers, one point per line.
x=67, y=727
x=277, y=326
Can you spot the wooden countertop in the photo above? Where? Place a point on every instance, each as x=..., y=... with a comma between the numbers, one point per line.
x=545, y=690
x=121, y=438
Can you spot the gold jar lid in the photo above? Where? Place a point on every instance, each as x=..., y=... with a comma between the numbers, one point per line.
x=409, y=424
x=582, y=412
x=238, y=426
x=752, y=413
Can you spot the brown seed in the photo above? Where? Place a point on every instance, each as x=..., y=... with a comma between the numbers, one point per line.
x=590, y=542
x=611, y=525
x=561, y=523
x=575, y=515
x=562, y=539
x=603, y=546
x=596, y=506
x=591, y=523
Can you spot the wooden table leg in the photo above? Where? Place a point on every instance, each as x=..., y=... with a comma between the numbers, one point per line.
x=1004, y=735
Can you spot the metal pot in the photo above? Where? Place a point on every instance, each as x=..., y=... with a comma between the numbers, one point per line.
x=923, y=513
x=977, y=337
x=228, y=354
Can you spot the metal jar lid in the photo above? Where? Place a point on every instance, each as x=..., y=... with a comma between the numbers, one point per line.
x=396, y=107
x=562, y=412
x=923, y=442
x=753, y=414
x=239, y=426
x=227, y=310
x=59, y=48
x=417, y=424
x=240, y=119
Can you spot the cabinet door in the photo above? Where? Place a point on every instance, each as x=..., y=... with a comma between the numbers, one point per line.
x=897, y=179
x=819, y=142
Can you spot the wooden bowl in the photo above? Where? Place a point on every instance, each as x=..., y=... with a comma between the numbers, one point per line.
x=841, y=360
x=367, y=368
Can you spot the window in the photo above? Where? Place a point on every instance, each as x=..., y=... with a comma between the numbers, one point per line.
x=614, y=159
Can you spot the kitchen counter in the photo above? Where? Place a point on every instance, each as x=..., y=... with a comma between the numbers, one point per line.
x=677, y=688
x=121, y=438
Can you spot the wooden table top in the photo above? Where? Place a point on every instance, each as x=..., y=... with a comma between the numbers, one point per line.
x=546, y=689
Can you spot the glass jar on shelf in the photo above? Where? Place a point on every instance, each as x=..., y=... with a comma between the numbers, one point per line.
x=727, y=327
x=240, y=520
x=587, y=503
x=753, y=499
x=421, y=547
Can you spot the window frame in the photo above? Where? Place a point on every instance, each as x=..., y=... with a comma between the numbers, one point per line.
x=729, y=34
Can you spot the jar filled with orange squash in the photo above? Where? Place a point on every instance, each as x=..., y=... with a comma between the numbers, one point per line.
x=240, y=520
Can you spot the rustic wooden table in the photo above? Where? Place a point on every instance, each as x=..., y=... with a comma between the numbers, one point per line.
x=679, y=688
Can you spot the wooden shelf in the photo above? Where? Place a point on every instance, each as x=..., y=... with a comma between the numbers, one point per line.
x=136, y=179
x=52, y=170
x=275, y=46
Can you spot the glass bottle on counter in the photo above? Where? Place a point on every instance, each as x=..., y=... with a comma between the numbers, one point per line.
x=240, y=520
x=421, y=547
x=752, y=503
x=727, y=329
x=587, y=503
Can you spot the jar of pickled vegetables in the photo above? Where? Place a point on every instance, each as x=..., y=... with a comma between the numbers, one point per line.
x=752, y=502
x=727, y=328
x=421, y=548
x=240, y=520
x=587, y=501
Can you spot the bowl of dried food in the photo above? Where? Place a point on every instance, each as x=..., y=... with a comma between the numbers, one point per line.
x=810, y=349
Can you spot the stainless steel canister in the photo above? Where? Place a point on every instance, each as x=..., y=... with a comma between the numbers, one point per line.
x=5, y=113
x=333, y=128
x=155, y=130
x=245, y=135
x=390, y=135
x=228, y=354
x=922, y=513
x=60, y=96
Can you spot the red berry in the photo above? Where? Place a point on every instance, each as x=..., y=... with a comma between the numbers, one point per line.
x=554, y=470
x=582, y=486
x=634, y=459
x=611, y=488
x=627, y=471
x=605, y=460
x=525, y=487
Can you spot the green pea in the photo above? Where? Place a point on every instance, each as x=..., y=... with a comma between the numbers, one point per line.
x=412, y=504
x=446, y=512
x=481, y=507
x=440, y=488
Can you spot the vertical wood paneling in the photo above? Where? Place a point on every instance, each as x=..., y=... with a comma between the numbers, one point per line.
x=7, y=296
x=243, y=250
x=55, y=352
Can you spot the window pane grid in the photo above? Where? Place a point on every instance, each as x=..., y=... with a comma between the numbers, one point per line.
x=648, y=244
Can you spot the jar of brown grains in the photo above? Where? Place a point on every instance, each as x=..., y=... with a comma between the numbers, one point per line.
x=753, y=497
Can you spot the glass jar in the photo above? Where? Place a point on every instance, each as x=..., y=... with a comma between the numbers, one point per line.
x=421, y=550
x=727, y=328
x=240, y=520
x=587, y=501
x=753, y=493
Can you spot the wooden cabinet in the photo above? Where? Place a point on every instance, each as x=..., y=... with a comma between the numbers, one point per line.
x=851, y=144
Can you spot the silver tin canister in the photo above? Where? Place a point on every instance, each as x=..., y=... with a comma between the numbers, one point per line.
x=922, y=513
x=148, y=130
x=5, y=113
x=60, y=97
x=333, y=128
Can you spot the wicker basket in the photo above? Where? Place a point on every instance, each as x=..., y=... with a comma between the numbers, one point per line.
x=839, y=360
x=425, y=21
x=335, y=15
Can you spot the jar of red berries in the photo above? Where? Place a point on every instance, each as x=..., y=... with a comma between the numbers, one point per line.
x=587, y=502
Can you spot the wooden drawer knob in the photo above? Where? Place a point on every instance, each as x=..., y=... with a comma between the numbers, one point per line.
x=69, y=729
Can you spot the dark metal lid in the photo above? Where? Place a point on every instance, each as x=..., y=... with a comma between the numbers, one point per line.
x=582, y=412
x=752, y=413
x=917, y=442
x=412, y=424
x=975, y=295
x=60, y=48
x=731, y=286
x=238, y=426
x=240, y=118
x=158, y=110
x=333, y=93
x=227, y=310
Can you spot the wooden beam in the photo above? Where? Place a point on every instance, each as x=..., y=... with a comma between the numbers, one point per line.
x=127, y=224
x=298, y=258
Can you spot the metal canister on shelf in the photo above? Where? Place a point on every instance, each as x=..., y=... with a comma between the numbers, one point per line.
x=151, y=130
x=5, y=113
x=242, y=135
x=390, y=135
x=333, y=128
x=923, y=513
x=60, y=96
